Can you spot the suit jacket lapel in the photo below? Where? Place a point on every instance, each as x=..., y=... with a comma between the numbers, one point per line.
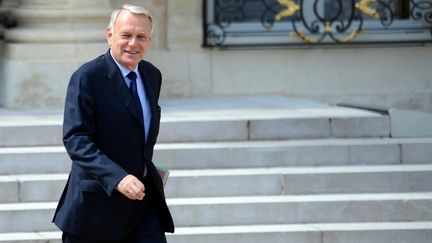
x=118, y=87
x=150, y=92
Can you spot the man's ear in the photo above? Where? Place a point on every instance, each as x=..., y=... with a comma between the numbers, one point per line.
x=108, y=34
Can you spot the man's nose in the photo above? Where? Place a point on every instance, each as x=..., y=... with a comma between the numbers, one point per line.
x=132, y=41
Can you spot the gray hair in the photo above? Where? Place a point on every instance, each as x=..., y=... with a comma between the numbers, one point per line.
x=133, y=9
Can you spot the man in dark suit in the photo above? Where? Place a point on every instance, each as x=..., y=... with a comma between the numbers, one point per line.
x=111, y=122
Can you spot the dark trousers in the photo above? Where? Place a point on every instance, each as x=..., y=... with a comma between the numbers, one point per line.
x=147, y=230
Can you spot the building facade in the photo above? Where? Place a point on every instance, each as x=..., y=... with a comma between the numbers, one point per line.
x=230, y=48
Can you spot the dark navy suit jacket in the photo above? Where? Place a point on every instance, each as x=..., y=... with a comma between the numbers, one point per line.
x=104, y=136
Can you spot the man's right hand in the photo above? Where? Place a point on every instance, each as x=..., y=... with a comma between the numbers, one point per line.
x=131, y=187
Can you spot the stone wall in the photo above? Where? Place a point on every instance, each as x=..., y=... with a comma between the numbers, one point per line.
x=52, y=39
x=398, y=76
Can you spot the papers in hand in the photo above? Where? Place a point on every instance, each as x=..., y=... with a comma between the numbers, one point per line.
x=164, y=174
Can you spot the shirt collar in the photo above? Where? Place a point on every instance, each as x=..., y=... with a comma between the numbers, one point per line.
x=124, y=71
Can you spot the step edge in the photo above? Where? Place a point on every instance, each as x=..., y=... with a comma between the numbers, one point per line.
x=270, y=228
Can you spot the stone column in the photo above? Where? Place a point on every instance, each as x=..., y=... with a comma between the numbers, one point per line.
x=52, y=39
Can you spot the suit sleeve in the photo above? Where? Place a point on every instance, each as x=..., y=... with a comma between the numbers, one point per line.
x=159, y=82
x=79, y=133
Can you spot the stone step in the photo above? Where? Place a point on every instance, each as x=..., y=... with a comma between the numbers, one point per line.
x=53, y=159
x=34, y=160
x=32, y=188
x=301, y=180
x=316, y=152
x=191, y=212
x=30, y=128
x=302, y=209
x=247, y=182
x=197, y=120
x=30, y=135
x=26, y=217
x=200, y=129
x=418, y=232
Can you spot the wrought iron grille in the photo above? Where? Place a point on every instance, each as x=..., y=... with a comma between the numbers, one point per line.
x=7, y=20
x=316, y=22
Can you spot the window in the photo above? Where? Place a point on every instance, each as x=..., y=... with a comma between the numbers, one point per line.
x=316, y=22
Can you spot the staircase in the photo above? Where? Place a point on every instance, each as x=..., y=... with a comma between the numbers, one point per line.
x=265, y=169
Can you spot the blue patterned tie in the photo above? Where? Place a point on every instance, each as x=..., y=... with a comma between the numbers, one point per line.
x=134, y=92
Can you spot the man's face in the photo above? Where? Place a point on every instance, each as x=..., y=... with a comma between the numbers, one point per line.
x=131, y=39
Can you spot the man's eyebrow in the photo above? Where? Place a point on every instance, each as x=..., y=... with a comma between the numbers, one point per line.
x=129, y=32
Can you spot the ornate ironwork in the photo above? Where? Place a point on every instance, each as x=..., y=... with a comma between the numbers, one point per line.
x=337, y=26
x=8, y=20
x=422, y=10
x=365, y=7
x=229, y=11
x=310, y=20
x=291, y=9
